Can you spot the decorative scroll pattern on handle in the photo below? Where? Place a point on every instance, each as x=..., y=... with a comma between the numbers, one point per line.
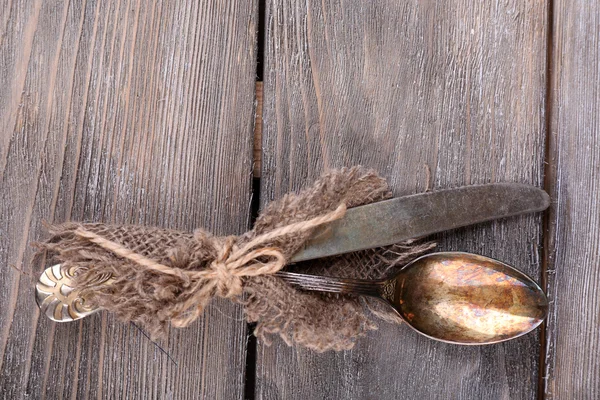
x=388, y=289
x=57, y=298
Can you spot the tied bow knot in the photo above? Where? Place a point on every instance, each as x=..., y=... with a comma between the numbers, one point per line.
x=233, y=264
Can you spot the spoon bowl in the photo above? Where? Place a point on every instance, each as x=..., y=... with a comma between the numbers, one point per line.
x=465, y=298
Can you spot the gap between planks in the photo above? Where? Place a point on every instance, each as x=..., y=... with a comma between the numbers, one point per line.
x=258, y=127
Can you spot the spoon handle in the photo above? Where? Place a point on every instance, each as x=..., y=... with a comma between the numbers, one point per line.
x=334, y=285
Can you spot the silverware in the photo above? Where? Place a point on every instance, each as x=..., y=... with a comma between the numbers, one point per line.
x=373, y=225
x=392, y=221
x=452, y=297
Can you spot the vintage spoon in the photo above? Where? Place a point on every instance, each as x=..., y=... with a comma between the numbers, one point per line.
x=452, y=297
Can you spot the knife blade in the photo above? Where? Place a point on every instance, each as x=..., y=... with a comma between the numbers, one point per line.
x=392, y=221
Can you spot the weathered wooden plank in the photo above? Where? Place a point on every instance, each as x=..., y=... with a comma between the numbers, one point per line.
x=122, y=112
x=573, y=257
x=436, y=94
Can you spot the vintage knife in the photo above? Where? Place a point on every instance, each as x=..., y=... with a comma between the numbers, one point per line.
x=392, y=221
x=373, y=225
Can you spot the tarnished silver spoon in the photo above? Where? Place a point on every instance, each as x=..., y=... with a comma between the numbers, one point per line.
x=453, y=297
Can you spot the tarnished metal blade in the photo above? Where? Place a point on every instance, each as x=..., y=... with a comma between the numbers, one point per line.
x=392, y=221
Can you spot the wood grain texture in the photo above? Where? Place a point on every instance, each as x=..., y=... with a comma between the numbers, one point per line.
x=122, y=112
x=436, y=94
x=573, y=268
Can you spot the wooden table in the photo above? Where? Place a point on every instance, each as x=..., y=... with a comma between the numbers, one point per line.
x=144, y=112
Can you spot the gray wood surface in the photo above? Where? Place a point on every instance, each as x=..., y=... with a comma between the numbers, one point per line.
x=431, y=94
x=122, y=112
x=572, y=369
x=142, y=112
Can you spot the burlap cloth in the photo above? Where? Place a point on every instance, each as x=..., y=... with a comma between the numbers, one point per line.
x=164, y=277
